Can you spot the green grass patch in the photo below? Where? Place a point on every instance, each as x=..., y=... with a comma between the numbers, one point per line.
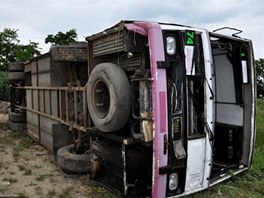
x=41, y=177
x=24, y=168
x=51, y=194
x=22, y=194
x=27, y=172
x=24, y=143
x=2, y=190
x=4, y=126
x=10, y=179
x=65, y=193
x=258, y=164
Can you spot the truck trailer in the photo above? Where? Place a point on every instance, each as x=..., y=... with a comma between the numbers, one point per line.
x=147, y=108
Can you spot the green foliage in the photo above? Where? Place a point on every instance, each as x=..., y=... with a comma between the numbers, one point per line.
x=8, y=42
x=26, y=52
x=12, y=51
x=62, y=38
x=260, y=76
x=4, y=91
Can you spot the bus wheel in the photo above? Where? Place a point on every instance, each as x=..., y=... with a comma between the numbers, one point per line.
x=108, y=97
x=70, y=162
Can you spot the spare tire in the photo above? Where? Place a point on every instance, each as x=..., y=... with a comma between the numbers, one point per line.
x=19, y=117
x=108, y=97
x=70, y=162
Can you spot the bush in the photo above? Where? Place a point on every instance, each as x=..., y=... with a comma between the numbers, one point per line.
x=4, y=90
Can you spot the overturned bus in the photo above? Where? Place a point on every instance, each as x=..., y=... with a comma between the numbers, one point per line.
x=163, y=110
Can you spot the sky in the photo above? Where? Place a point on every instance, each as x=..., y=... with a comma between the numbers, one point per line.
x=35, y=19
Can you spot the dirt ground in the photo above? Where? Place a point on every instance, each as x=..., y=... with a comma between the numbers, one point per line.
x=27, y=169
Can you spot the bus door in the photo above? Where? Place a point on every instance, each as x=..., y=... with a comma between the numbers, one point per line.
x=199, y=103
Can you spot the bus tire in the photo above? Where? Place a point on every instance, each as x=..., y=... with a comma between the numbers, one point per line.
x=16, y=76
x=70, y=162
x=16, y=67
x=17, y=117
x=108, y=97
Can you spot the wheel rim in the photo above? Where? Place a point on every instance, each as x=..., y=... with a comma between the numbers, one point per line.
x=101, y=99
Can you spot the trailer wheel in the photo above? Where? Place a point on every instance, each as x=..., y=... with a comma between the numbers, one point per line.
x=16, y=67
x=70, y=162
x=17, y=117
x=17, y=127
x=15, y=76
x=108, y=97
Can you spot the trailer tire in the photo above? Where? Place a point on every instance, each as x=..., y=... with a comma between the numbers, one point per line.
x=16, y=67
x=70, y=162
x=108, y=97
x=17, y=117
x=17, y=127
x=16, y=76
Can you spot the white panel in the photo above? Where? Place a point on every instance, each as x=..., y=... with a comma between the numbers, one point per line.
x=229, y=114
x=195, y=164
x=225, y=86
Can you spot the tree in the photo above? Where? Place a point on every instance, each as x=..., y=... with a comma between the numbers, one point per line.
x=62, y=38
x=12, y=51
x=8, y=42
x=260, y=76
x=26, y=52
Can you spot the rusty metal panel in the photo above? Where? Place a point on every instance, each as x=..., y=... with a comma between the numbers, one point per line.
x=43, y=64
x=47, y=101
x=28, y=66
x=34, y=80
x=44, y=79
x=132, y=63
x=29, y=98
x=73, y=52
x=41, y=101
x=58, y=68
x=46, y=131
x=32, y=124
x=34, y=67
x=35, y=99
x=109, y=44
x=54, y=103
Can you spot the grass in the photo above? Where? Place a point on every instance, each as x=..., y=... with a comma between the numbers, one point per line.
x=65, y=193
x=24, y=143
x=41, y=177
x=51, y=194
x=10, y=179
x=258, y=165
x=2, y=189
x=22, y=194
x=4, y=126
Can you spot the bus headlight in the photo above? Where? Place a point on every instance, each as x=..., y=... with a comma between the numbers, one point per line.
x=170, y=45
x=173, y=181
